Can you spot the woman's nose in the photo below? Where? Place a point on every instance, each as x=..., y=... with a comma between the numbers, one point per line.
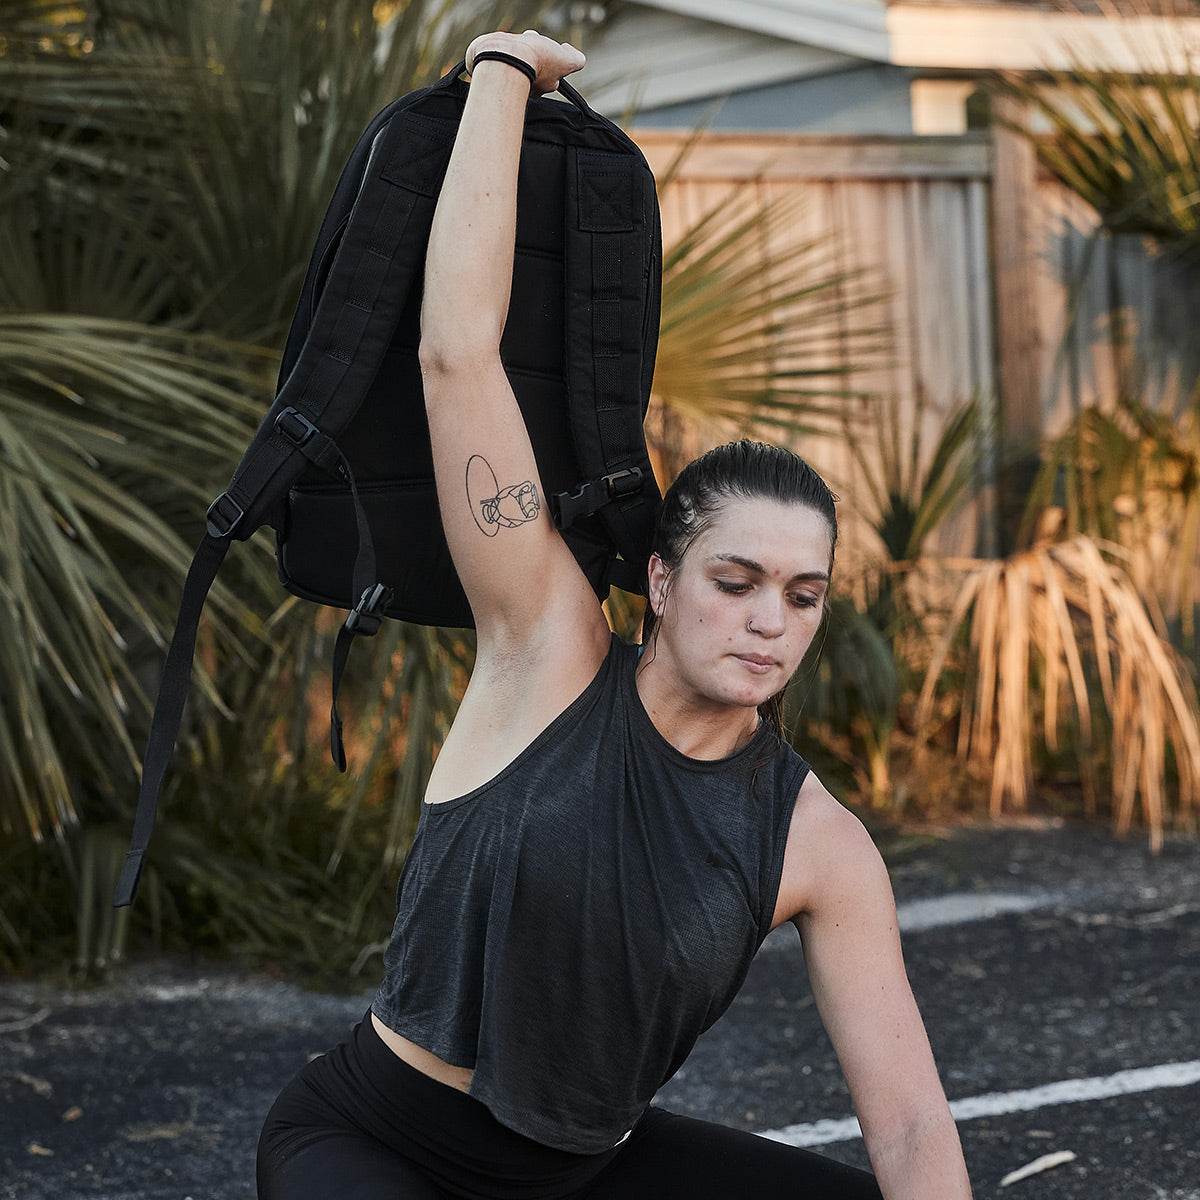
x=768, y=618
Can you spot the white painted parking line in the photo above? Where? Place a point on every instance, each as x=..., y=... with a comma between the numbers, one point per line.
x=996, y=1104
x=915, y=916
x=958, y=908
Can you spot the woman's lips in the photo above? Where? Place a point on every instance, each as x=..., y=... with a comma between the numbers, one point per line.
x=760, y=664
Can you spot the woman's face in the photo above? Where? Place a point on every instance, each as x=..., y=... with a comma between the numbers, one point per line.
x=740, y=610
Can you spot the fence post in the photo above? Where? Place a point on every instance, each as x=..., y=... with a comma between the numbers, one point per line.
x=1018, y=323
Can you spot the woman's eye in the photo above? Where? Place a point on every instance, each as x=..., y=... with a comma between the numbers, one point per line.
x=801, y=601
x=733, y=589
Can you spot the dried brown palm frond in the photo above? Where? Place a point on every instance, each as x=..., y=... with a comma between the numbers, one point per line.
x=1062, y=624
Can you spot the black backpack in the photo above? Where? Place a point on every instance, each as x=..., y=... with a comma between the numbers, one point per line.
x=341, y=465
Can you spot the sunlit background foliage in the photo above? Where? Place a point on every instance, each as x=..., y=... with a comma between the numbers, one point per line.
x=163, y=170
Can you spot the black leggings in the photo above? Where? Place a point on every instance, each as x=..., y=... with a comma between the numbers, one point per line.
x=360, y=1124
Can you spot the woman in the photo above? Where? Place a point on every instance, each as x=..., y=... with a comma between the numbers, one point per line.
x=606, y=839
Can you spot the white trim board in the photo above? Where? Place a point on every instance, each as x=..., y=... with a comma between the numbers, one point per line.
x=998, y=39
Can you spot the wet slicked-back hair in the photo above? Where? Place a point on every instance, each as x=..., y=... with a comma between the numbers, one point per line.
x=744, y=470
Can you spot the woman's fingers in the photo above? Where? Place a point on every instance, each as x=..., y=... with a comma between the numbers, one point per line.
x=550, y=59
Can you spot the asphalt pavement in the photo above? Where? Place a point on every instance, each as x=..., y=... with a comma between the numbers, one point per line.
x=1056, y=968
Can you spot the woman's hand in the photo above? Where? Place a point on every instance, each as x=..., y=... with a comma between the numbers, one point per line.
x=550, y=59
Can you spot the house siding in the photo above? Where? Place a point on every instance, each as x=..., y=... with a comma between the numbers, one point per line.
x=872, y=99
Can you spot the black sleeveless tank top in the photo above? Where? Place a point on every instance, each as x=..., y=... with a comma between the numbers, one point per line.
x=570, y=928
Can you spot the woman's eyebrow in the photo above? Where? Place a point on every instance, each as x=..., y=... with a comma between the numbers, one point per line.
x=750, y=565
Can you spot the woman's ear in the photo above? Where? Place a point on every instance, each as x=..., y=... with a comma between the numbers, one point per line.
x=657, y=574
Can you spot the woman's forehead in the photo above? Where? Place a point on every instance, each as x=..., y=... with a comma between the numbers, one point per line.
x=793, y=537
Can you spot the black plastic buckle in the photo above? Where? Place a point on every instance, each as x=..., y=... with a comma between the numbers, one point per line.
x=367, y=615
x=568, y=507
x=296, y=427
x=224, y=513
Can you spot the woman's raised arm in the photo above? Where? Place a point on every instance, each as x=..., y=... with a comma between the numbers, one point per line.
x=521, y=579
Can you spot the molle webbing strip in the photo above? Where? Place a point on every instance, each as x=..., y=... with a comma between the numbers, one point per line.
x=606, y=301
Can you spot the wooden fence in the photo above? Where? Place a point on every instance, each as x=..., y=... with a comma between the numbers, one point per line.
x=996, y=284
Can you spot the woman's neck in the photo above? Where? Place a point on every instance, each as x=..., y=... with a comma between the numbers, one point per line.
x=693, y=725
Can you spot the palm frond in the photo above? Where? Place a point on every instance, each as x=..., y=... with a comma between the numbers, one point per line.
x=1126, y=143
x=759, y=329
x=1132, y=476
x=96, y=418
x=224, y=126
x=847, y=694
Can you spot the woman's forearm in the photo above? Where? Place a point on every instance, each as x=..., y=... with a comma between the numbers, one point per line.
x=468, y=272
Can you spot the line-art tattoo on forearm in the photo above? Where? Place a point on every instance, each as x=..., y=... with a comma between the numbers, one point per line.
x=495, y=507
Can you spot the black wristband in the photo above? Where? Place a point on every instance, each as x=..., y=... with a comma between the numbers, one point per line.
x=511, y=59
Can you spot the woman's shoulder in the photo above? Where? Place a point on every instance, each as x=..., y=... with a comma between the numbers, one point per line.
x=826, y=843
x=823, y=819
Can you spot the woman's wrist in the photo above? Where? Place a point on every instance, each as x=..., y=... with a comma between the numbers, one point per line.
x=509, y=60
x=514, y=45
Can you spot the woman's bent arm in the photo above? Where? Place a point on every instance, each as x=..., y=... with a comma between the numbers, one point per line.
x=837, y=886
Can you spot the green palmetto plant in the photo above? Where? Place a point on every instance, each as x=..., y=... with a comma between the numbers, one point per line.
x=908, y=497
x=1062, y=625
x=233, y=121
x=92, y=501
x=869, y=655
x=846, y=695
x=1126, y=142
x=163, y=193
x=166, y=168
x=111, y=434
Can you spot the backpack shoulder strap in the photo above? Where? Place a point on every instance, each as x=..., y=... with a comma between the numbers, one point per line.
x=168, y=708
x=380, y=253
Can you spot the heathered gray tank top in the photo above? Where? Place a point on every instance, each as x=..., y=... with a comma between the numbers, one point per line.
x=570, y=928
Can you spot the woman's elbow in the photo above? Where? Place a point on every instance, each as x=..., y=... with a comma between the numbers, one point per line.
x=445, y=358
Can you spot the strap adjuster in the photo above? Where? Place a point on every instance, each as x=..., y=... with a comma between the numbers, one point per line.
x=568, y=507
x=367, y=615
x=623, y=483
x=296, y=427
x=223, y=515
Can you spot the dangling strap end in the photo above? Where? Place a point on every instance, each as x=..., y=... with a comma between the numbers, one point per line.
x=337, y=746
x=131, y=873
x=367, y=615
